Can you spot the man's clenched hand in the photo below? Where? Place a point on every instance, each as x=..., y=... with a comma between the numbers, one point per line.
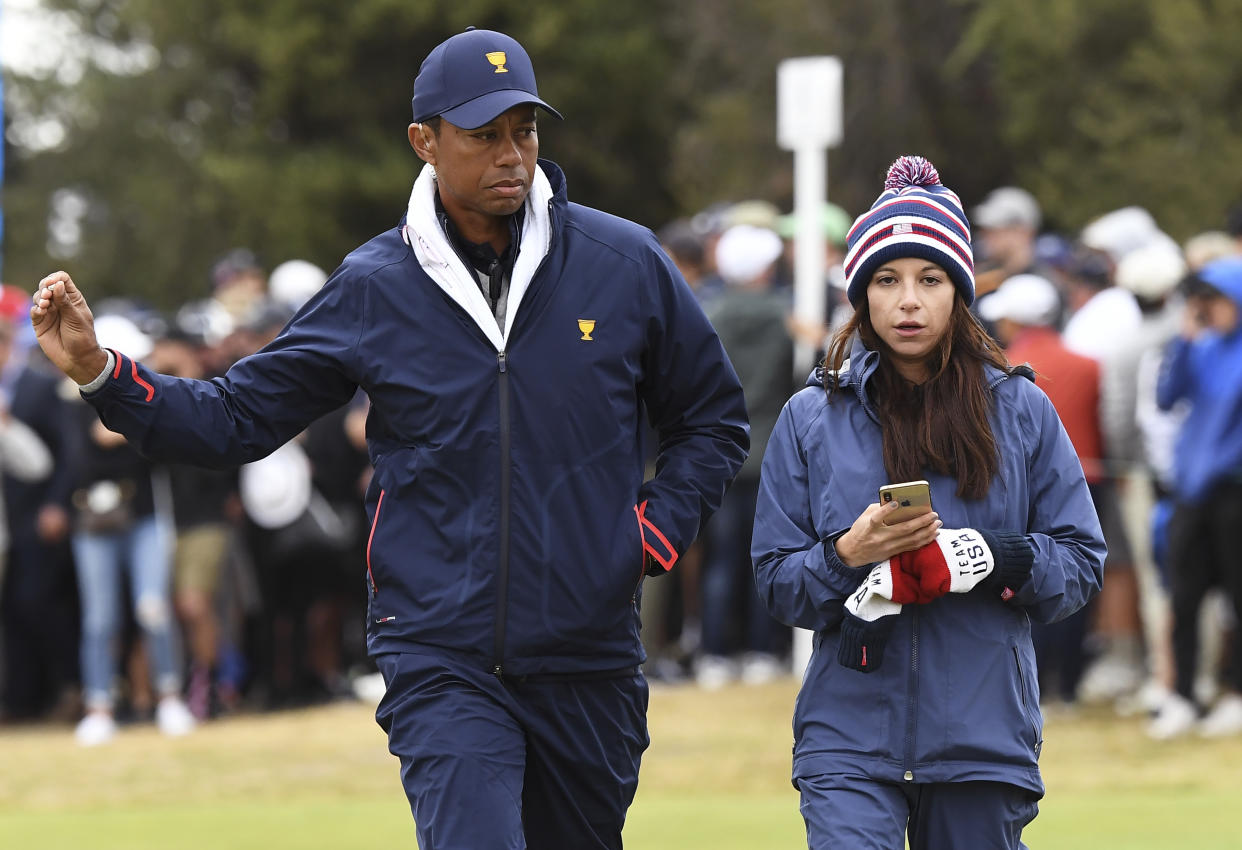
x=66, y=329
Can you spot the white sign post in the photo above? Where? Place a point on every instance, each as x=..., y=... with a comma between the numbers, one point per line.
x=808, y=122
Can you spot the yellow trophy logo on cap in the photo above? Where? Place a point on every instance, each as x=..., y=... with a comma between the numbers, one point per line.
x=497, y=58
x=586, y=326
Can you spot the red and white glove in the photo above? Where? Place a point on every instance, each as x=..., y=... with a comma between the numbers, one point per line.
x=961, y=559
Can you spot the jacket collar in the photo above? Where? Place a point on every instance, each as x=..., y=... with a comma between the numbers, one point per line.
x=440, y=261
x=862, y=363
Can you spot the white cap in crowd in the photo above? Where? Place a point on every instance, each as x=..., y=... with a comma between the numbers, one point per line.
x=1153, y=271
x=745, y=252
x=293, y=282
x=120, y=333
x=1119, y=232
x=1008, y=206
x=1026, y=299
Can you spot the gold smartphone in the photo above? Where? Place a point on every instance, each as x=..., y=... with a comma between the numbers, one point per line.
x=913, y=499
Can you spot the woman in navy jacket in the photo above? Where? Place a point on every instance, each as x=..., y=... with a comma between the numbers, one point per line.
x=919, y=712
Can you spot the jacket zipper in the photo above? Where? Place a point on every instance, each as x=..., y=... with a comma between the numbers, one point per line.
x=371, y=537
x=1017, y=660
x=502, y=570
x=502, y=574
x=912, y=700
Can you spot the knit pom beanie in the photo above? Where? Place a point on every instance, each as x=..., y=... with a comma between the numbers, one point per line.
x=915, y=216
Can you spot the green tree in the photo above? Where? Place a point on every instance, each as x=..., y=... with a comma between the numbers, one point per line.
x=898, y=97
x=281, y=126
x=1118, y=102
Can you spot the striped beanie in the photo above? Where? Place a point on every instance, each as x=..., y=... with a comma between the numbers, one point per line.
x=916, y=216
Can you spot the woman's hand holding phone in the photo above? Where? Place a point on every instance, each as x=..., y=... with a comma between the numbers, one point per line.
x=870, y=540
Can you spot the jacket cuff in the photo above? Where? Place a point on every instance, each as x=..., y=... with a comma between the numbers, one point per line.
x=102, y=377
x=1013, y=557
x=838, y=568
x=123, y=380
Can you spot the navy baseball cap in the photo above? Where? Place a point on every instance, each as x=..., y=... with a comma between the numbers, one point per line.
x=472, y=77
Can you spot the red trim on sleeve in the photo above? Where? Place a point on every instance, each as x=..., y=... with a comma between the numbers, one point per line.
x=133, y=368
x=116, y=371
x=665, y=560
x=370, y=537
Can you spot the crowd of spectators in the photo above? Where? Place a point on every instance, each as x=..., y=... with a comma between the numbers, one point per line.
x=133, y=591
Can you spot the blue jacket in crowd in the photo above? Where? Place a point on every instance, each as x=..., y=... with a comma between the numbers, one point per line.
x=1208, y=374
x=956, y=698
x=510, y=519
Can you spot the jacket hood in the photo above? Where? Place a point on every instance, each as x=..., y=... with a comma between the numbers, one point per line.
x=862, y=363
x=857, y=367
x=1225, y=275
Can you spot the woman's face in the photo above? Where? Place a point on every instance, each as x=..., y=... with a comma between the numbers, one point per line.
x=911, y=301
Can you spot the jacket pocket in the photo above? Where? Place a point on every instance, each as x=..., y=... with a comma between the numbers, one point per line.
x=1030, y=705
x=642, y=551
x=379, y=507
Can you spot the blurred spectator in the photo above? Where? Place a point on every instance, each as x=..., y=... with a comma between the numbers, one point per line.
x=684, y=246
x=1104, y=318
x=238, y=283
x=302, y=509
x=23, y=456
x=203, y=503
x=1102, y=315
x=1023, y=310
x=1202, y=248
x=38, y=604
x=1141, y=437
x=835, y=223
x=1151, y=275
x=117, y=536
x=340, y=470
x=753, y=213
x=1121, y=231
x=1203, y=365
x=750, y=320
x=709, y=223
x=671, y=629
x=293, y=282
x=1007, y=223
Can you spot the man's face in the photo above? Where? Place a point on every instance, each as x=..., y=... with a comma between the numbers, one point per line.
x=1004, y=245
x=1218, y=313
x=484, y=172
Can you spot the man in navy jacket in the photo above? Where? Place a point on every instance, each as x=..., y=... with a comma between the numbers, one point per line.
x=510, y=342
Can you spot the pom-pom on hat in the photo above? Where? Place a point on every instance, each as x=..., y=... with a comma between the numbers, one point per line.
x=915, y=216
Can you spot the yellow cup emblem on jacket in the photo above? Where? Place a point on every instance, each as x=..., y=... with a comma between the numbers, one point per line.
x=586, y=326
x=497, y=58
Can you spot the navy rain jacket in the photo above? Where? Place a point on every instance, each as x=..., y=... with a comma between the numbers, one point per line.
x=956, y=697
x=509, y=513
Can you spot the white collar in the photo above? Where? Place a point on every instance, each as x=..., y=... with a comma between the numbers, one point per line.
x=442, y=264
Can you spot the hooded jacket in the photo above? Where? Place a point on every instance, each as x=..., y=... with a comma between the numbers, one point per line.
x=510, y=522
x=1208, y=374
x=956, y=696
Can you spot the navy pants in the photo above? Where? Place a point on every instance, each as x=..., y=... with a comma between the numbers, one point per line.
x=856, y=813
x=504, y=764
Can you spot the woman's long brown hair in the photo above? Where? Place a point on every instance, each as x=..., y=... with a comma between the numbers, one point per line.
x=942, y=424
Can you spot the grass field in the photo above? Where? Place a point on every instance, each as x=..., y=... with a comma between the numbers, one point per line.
x=717, y=776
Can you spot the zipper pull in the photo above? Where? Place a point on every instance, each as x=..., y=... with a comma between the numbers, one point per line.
x=502, y=363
